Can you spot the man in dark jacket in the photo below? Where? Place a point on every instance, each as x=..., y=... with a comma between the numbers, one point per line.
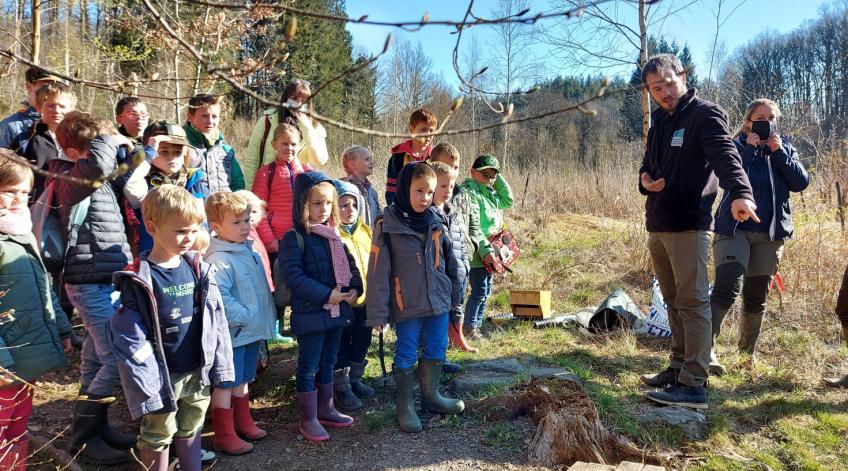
x=689, y=144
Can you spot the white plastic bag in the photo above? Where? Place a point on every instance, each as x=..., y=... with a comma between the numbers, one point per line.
x=657, y=323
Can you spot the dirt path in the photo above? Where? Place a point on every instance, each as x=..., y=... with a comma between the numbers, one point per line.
x=374, y=442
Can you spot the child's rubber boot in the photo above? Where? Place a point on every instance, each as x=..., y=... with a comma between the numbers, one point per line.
x=189, y=453
x=153, y=460
x=310, y=428
x=245, y=426
x=226, y=439
x=344, y=396
x=405, y=401
x=112, y=437
x=429, y=374
x=86, y=434
x=362, y=391
x=456, y=336
x=328, y=416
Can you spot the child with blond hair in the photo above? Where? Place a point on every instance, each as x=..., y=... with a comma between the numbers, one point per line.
x=250, y=315
x=170, y=335
x=324, y=282
x=274, y=184
x=358, y=164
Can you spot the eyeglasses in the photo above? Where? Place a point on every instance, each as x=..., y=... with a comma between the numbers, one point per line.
x=15, y=195
x=489, y=173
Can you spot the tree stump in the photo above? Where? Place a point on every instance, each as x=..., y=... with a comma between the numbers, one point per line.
x=569, y=429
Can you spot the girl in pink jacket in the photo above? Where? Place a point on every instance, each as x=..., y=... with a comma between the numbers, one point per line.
x=273, y=185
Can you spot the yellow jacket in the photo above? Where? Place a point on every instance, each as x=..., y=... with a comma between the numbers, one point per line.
x=359, y=245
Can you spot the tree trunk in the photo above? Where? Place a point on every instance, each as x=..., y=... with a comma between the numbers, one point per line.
x=643, y=57
x=36, y=30
x=68, y=6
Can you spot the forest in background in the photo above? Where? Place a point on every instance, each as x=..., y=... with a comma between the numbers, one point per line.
x=119, y=45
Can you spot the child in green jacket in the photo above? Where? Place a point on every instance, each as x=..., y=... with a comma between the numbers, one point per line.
x=487, y=194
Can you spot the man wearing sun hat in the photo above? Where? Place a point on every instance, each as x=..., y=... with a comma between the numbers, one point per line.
x=24, y=118
x=486, y=194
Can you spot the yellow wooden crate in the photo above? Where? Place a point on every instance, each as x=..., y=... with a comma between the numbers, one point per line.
x=530, y=303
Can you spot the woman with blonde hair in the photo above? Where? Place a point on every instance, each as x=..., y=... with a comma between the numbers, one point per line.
x=747, y=253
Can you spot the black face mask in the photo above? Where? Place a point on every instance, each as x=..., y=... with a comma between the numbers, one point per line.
x=764, y=129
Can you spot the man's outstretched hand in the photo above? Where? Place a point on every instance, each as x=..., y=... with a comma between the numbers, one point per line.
x=650, y=184
x=742, y=209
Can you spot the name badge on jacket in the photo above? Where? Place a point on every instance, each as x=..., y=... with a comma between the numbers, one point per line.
x=677, y=138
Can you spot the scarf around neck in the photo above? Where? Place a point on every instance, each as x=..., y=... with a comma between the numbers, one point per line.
x=15, y=223
x=418, y=222
x=341, y=268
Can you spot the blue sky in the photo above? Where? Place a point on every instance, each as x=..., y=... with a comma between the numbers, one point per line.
x=695, y=26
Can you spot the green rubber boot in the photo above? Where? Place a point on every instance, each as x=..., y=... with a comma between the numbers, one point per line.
x=429, y=374
x=405, y=401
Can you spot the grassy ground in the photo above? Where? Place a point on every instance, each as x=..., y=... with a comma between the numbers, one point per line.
x=581, y=241
x=774, y=415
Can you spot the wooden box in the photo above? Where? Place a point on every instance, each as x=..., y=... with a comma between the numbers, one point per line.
x=532, y=304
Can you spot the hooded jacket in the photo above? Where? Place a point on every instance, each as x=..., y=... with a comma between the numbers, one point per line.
x=276, y=191
x=689, y=148
x=786, y=174
x=309, y=271
x=101, y=246
x=417, y=278
x=136, y=339
x=402, y=154
x=487, y=204
x=30, y=330
x=240, y=274
x=358, y=241
x=216, y=159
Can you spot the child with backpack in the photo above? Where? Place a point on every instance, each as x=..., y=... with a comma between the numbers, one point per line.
x=165, y=148
x=250, y=314
x=324, y=282
x=417, y=149
x=356, y=338
x=97, y=247
x=170, y=334
x=274, y=184
x=413, y=283
x=34, y=333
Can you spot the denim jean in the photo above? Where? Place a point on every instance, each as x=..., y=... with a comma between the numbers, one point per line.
x=96, y=304
x=245, y=360
x=481, y=289
x=409, y=333
x=356, y=339
x=316, y=358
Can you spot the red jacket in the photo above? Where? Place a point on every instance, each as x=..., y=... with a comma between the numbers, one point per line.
x=276, y=192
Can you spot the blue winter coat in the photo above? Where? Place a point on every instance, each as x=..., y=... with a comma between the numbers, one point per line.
x=786, y=173
x=309, y=272
x=136, y=339
x=14, y=125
